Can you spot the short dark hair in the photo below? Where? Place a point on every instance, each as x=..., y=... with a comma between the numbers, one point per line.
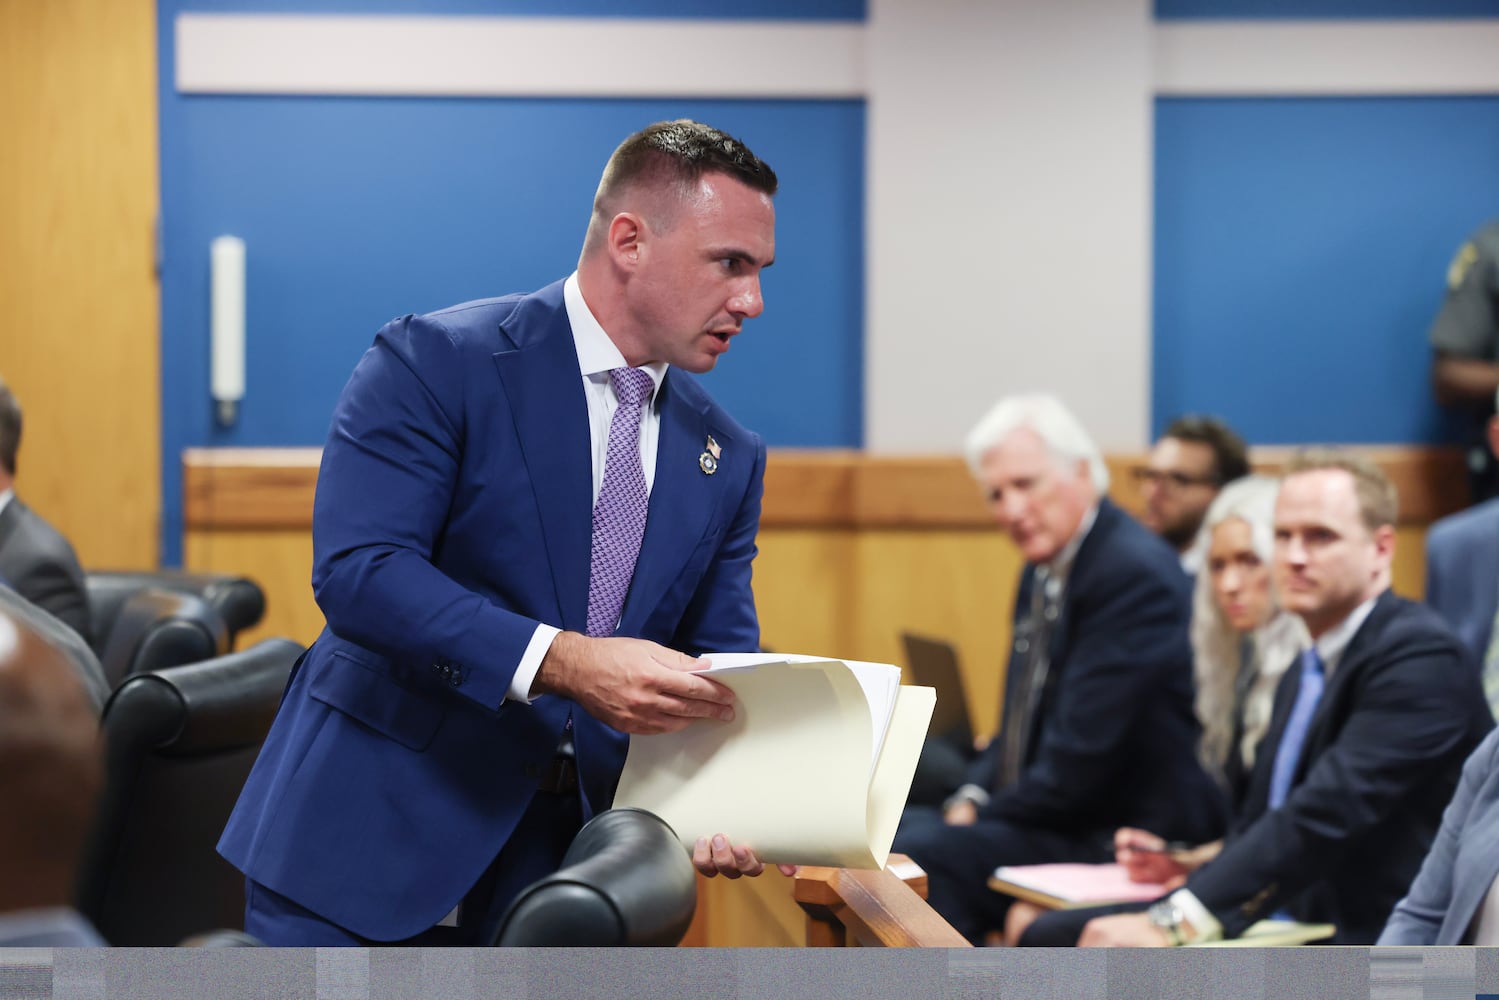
x=10, y=428
x=1230, y=456
x=682, y=151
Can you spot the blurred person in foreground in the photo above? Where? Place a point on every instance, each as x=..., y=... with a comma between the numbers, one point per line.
x=51, y=774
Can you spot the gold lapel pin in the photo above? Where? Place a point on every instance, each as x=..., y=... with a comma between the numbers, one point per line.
x=708, y=460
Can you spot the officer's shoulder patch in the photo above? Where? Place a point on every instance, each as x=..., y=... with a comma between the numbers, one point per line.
x=1461, y=264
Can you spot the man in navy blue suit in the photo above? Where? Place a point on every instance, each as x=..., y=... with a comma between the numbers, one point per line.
x=1098, y=730
x=529, y=522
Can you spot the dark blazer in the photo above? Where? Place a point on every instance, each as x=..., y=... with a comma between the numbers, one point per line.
x=39, y=563
x=453, y=513
x=1462, y=573
x=1114, y=739
x=1401, y=711
x=1460, y=870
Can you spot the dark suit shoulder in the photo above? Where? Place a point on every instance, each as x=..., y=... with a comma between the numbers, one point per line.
x=1398, y=627
x=1120, y=553
x=1456, y=531
x=506, y=322
x=34, y=539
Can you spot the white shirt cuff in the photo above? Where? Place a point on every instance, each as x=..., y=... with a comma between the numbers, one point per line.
x=530, y=663
x=1205, y=926
x=977, y=794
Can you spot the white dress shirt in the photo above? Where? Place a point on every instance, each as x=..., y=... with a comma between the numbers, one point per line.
x=597, y=357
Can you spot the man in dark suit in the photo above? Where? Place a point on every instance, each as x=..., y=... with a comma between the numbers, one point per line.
x=1462, y=578
x=1366, y=741
x=34, y=559
x=1098, y=730
x=528, y=521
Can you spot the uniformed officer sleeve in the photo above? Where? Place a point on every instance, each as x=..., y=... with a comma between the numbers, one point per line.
x=1467, y=325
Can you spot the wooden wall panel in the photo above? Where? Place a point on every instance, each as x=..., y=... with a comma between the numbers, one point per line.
x=80, y=343
x=800, y=594
x=279, y=560
x=853, y=551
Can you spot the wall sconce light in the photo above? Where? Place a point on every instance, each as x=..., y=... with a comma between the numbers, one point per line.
x=227, y=326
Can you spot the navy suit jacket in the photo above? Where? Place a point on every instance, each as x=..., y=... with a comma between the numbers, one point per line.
x=1462, y=573
x=1401, y=711
x=1114, y=739
x=453, y=513
x=40, y=564
x=1462, y=865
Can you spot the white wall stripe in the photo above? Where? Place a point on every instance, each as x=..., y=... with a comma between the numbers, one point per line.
x=513, y=56
x=635, y=57
x=1325, y=58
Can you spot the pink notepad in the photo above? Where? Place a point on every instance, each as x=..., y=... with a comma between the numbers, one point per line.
x=1078, y=885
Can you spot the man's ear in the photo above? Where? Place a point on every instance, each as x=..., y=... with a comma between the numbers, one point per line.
x=1384, y=541
x=626, y=236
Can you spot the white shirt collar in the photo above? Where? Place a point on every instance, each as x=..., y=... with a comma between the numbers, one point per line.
x=1333, y=643
x=1053, y=573
x=597, y=355
x=6, y=496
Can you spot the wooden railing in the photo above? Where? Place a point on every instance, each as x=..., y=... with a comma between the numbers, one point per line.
x=872, y=909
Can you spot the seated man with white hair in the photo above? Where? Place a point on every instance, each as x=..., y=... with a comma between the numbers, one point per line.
x=1098, y=729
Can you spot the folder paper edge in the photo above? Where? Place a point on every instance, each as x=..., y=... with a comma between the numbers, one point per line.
x=871, y=796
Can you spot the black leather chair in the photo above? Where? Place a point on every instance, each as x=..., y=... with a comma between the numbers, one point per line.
x=153, y=629
x=179, y=745
x=626, y=880
x=238, y=600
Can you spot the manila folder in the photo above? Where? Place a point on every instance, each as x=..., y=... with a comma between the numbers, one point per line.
x=799, y=776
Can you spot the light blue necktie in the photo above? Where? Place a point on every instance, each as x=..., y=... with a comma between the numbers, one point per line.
x=1288, y=753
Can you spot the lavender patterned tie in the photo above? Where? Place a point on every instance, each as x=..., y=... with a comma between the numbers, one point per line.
x=619, y=514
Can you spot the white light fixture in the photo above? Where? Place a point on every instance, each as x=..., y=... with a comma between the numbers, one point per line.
x=227, y=325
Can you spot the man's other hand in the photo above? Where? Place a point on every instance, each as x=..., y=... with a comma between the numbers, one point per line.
x=716, y=856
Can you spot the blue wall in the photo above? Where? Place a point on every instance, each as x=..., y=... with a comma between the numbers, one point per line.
x=1300, y=244
x=357, y=210
x=1301, y=249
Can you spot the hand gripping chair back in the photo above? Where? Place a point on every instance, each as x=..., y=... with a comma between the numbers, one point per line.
x=179, y=744
x=625, y=881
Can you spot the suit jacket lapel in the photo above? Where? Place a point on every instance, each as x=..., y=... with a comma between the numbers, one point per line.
x=545, y=391
x=683, y=498
x=9, y=518
x=1360, y=648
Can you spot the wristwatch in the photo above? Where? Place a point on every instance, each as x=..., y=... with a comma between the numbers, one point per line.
x=1169, y=918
